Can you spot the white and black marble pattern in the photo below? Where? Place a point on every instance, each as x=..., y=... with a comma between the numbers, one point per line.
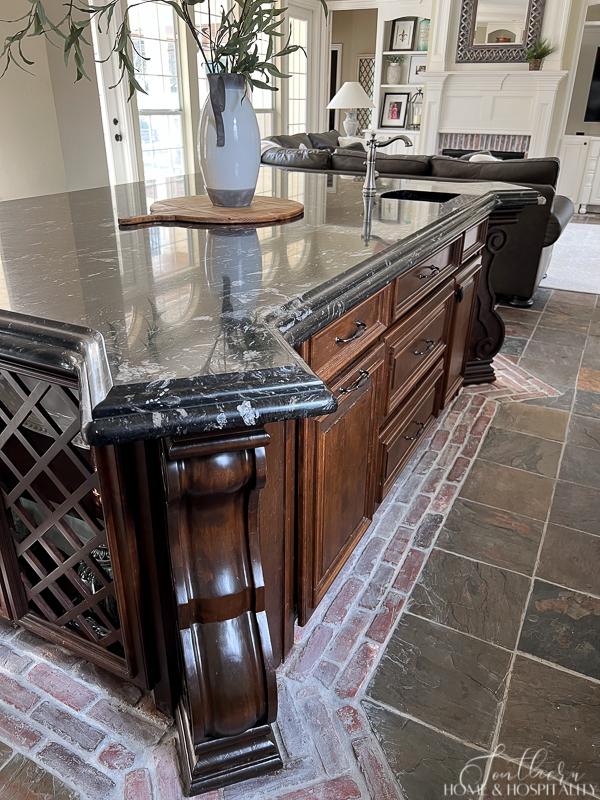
x=174, y=330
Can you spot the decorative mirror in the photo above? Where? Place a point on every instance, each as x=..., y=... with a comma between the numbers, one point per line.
x=496, y=31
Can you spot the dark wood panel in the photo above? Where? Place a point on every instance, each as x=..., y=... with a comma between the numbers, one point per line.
x=418, y=282
x=466, y=291
x=402, y=434
x=337, y=478
x=343, y=341
x=276, y=525
x=416, y=344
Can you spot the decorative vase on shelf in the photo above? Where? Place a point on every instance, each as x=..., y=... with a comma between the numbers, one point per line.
x=393, y=73
x=535, y=64
x=423, y=34
x=229, y=142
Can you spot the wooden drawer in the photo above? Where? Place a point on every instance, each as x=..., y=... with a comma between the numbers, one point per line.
x=415, y=284
x=338, y=345
x=416, y=343
x=474, y=240
x=402, y=434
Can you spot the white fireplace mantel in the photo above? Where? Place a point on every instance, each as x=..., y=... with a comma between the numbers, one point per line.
x=491, y=102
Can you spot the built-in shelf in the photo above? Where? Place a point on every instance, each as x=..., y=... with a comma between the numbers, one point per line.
x=402, y=85
x=405, y=52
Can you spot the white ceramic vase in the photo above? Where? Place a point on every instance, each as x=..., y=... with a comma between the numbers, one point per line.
x=229, y=142
x=394, y=73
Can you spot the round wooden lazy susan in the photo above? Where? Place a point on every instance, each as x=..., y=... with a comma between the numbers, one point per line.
x=200, y=210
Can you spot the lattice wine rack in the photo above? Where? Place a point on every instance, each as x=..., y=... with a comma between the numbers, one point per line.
x=53, y=537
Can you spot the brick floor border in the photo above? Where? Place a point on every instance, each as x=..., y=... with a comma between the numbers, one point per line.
x=104, y=740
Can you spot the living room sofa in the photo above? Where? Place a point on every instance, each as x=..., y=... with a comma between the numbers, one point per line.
x=522, y=263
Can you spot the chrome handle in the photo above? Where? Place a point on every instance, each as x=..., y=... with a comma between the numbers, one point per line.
x=363, y=377
x=430, y=345
x=421, y=426
x=432, y=271
x=361, y=327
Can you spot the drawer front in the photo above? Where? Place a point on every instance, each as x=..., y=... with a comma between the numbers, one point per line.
x=474, y=240
x=339, y=344
x=417, y=343
x=419, y=281
x=404, y=431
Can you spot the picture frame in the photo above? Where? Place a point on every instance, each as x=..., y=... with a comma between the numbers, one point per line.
x=394, y=109
x=404, y=31
x=417, y=68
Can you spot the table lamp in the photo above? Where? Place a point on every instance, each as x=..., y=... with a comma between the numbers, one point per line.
x=351, y=97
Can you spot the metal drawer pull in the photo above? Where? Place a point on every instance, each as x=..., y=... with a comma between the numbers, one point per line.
x=432, y=272
x=430, y=345
x=421, y=426
x=361, y=327
x=363, y=377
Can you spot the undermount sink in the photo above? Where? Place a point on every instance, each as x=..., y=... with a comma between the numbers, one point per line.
x=412, y=194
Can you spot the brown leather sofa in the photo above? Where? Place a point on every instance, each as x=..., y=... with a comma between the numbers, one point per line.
x=523, y=261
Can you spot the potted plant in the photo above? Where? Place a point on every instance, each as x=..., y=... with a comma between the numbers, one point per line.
x=393, y=73
x=537, y=52
x=232, y=53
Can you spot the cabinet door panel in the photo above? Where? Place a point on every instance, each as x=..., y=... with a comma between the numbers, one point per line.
x=466, y=293
x=338, y=458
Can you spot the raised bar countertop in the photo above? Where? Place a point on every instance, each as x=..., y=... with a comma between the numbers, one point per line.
x=174, y=330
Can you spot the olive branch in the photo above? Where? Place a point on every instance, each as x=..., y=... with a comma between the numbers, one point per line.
x=234, y=46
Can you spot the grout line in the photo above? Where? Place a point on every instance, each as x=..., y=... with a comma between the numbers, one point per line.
x=427, y=725
x=446, y=627
x=504, y=702
x=483, y=561
x=559, y=667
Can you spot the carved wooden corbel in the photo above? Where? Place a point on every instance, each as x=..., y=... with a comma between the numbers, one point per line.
x=228, y=696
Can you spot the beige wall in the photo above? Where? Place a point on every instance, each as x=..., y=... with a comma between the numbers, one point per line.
x=585, y=69
x=357, y=32
x=51, y=133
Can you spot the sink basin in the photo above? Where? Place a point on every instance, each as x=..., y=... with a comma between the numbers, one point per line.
x=412, y=194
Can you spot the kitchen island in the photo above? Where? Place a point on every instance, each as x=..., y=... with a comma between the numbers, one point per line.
x=197, y=425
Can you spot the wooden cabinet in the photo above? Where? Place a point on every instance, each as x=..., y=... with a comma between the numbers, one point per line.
x=465, y=293
x=415, y=344
x=402, y=434
x=337, y=478
x=391, y=362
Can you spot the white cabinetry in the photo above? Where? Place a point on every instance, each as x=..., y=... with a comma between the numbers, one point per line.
x=580, y=170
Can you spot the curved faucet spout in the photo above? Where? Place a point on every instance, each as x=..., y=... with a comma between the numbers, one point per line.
x=369, y=187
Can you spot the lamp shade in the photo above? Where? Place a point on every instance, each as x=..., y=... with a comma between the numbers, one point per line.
x=351, y=95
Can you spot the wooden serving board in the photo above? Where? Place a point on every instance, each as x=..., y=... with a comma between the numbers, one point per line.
x=199, y=209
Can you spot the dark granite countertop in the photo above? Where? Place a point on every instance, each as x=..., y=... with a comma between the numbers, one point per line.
x=175, y=330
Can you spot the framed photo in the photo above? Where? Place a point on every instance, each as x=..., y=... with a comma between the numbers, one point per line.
x=404, y=31
x=417, y=69
x=394, y=110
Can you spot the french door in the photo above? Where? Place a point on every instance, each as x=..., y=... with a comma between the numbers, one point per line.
x=152, y=136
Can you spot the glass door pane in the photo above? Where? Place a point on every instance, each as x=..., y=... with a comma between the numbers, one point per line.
x=297, y=111
x=160, y=110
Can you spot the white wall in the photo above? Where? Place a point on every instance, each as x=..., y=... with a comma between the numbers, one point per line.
x=51, y=133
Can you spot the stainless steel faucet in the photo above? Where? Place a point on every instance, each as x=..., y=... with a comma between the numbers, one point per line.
x=369, y=186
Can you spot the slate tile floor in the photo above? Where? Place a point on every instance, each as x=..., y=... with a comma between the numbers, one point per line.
x=498, y=651
x=466, y=624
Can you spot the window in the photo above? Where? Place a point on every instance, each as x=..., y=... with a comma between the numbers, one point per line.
x=298, y=82
x=160, y=111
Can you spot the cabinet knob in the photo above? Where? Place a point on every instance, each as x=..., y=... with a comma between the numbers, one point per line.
x=421, y=428
x=430, y=344
x=361, y=327
x=363, y=377
x=432, y=271
x=459, y=294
